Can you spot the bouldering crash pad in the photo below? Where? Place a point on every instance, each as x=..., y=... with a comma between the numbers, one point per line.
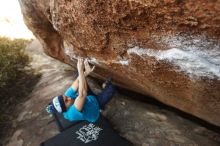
x=85, y=133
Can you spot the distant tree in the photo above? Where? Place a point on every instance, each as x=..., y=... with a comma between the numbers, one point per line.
x=12, y=60
x=16, y=75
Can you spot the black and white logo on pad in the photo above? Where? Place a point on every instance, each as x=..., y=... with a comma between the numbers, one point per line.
x=88, y=133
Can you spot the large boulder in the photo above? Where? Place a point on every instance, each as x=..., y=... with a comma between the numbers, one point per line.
x=168, y=49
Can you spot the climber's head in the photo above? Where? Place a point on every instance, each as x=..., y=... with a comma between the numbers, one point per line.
x=59, y=104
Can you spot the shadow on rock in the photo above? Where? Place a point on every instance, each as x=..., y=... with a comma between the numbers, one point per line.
x=13, y=95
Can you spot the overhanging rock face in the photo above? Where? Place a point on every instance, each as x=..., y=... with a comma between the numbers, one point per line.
x=168, y=49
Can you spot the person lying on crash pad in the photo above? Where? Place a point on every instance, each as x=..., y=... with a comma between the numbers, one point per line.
x=79, y=102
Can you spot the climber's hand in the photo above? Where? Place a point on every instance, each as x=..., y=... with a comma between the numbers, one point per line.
x=80, y=65
x=88, y=68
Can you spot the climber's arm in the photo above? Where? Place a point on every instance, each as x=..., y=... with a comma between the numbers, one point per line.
x=88, y=70
x=82, y=87
x=75, y=84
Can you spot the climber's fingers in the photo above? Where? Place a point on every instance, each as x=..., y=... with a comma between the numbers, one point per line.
x=88, y=68
x=92, y=68
x=80, y=65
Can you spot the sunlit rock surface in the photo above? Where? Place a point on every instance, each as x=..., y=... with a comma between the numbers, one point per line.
x=167, y=49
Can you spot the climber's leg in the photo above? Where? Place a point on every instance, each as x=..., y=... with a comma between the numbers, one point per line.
x=107, y=93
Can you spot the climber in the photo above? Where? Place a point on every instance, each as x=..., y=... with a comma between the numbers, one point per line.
x=79, y=102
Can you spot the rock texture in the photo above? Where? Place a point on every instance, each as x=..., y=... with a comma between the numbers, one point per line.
x=145, y=124
x=168, y=49
x=141, y=123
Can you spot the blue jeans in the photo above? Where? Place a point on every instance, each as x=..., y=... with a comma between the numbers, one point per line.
x=105, y=95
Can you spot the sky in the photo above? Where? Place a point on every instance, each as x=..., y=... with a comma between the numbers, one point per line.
x=11, y=20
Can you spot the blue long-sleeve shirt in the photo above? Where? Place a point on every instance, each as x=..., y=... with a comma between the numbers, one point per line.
x=90, y=111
